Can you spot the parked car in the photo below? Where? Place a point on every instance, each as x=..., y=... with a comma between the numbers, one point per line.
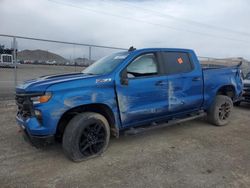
x=129, y=91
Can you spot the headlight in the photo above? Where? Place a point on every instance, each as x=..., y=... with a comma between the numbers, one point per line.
x=41, y=99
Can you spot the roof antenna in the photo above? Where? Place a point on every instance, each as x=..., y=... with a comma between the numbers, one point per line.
x=131, y=49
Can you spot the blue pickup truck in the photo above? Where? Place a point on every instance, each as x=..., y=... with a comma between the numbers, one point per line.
x=126, y=92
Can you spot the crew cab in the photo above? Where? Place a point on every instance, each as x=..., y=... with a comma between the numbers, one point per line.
x=125, y=92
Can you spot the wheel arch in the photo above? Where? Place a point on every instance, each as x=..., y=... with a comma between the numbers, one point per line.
x=227, y=90
x=100, y=108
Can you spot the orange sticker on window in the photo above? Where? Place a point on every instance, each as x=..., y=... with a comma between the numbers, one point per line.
x=180, y=61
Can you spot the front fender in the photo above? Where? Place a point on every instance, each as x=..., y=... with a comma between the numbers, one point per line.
x=63, y=100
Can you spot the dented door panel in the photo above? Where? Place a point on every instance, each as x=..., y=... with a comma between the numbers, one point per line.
x=142, y=99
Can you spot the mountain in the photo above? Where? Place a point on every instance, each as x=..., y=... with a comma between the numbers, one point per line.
x=39, y=55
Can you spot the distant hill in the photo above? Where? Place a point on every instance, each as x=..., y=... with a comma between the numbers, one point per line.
x=40, y=55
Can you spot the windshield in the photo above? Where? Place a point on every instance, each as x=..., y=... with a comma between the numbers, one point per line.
x=106, y=64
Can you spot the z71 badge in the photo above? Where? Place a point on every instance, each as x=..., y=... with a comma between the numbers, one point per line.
x=103, y=80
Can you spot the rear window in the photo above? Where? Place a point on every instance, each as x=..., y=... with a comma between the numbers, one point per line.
x=176, y=62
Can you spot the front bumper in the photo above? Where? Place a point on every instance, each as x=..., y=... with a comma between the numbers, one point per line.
x=38, y=141
x=32, y=130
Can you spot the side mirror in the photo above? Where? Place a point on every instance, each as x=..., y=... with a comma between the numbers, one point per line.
x=124, y=77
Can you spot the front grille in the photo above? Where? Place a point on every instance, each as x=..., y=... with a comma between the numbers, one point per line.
x=25, y=106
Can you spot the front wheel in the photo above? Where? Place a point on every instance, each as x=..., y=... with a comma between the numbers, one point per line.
x=86, y=136
x=220, y=111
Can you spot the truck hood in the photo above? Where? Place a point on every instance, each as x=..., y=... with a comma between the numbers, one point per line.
x=42, y=83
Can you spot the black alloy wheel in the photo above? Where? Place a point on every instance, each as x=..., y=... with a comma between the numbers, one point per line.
x=86, y=136
x=92, y=139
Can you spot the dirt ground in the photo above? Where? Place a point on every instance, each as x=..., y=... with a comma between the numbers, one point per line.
x=191, y=154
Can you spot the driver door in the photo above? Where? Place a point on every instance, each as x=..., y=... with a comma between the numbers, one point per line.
x=143, y=97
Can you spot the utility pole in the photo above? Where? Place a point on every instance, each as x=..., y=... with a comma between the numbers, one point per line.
x=89, y=53
x=15, y=61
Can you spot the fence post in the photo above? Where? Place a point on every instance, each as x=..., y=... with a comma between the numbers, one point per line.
x=89, y=53
x=14, y=58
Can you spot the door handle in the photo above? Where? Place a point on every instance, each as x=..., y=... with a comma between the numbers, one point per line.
x=161, y=83
x=196, y=78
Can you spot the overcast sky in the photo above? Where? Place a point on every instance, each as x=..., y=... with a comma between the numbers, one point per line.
x=210, y=27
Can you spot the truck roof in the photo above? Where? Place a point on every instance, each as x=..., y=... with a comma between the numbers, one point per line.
x=163, y=49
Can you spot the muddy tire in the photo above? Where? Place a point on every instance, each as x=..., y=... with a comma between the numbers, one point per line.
x=220, y=111
x=86, y=136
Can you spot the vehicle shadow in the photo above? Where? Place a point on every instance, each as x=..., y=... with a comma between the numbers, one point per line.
x=244, y=105
x=134, y=140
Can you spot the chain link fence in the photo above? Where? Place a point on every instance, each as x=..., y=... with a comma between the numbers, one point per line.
x=33, y=57
x=29, y=58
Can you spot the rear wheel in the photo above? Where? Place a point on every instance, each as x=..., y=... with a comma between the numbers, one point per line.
x=86, y=136
x=219, y=112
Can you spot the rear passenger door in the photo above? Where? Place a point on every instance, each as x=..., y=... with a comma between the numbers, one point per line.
x=185, y=84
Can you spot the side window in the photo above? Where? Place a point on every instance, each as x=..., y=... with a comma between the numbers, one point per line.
x=176, y=62
x=144, y=65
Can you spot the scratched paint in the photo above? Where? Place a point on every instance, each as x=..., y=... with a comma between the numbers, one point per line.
x=123, y=103
x=173, y=100
x=71, y=102
x=123, y=106
x=94, y=97
x=58, y=113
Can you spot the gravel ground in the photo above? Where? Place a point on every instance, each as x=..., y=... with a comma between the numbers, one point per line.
x=192, y=154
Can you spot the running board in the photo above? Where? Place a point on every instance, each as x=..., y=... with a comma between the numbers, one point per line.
x=133, y=131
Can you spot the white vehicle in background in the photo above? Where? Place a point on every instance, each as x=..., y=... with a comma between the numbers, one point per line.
x=6, y=60
x=51, y=62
